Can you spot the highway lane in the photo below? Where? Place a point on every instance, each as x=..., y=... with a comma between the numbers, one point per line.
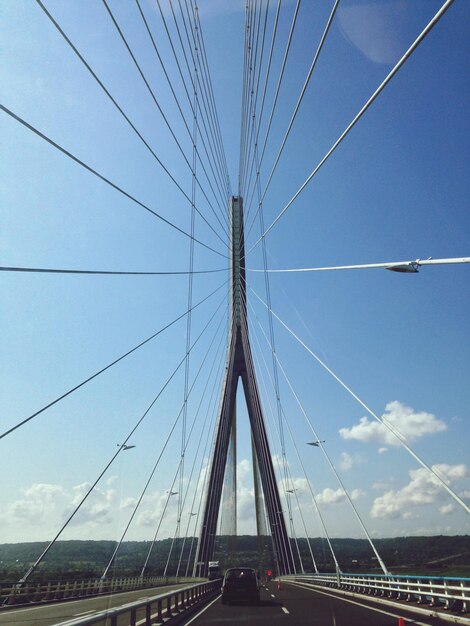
x=54, y=613
x=294, y=605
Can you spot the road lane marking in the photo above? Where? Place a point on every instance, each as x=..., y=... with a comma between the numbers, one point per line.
x=285, y=610
x=202, y=611
x=364, y=606
x=272, y=595
x=40, y=607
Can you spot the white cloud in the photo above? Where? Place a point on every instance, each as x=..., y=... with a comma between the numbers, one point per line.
x=380, y=485
x=423, y=489
x=335, y=496
x=40, y=499
x=447, y=509
x=279, y=461
x=346, y=461
x=403, y=418
x=99, y=507
x=377, y=30
x=383, y=450
x=243, y=470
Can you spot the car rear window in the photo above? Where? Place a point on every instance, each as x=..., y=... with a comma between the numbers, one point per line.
x=241, y=574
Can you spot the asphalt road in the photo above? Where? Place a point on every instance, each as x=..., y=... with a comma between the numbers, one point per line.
x=297, y=606
x=293, y=605
x=54, y=613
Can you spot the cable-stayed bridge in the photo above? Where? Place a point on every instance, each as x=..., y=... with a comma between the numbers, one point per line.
x=144, y=282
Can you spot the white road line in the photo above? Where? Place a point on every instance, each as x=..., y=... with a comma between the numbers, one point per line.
x=40, y=607
x=84, y=613
x=272, y=595
x=285, y=610
x=364, y=606
x=202, y=611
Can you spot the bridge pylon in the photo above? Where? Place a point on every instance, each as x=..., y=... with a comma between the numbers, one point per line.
x=240, y=365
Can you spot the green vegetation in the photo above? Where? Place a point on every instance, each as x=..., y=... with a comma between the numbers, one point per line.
x=433, y=556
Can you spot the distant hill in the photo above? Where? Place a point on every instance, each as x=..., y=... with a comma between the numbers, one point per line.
x=442, y=555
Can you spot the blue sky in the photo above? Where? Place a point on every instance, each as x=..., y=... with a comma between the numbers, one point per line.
x=396, y=189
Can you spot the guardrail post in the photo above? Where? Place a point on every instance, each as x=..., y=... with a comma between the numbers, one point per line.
x=465, y=604
x=48, y=591
x=133, y=617
x=159, y=611
x=419, y=596
x=408, y=591
x=434, y=588
x=168, y=606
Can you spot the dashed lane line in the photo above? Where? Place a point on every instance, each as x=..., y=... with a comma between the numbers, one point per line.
x=364, y=606
x=84, y=613
x=285, y=610
x=203, y=610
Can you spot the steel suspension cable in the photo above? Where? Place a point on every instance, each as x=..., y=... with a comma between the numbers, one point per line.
x=216, y=379
x=206, y=473
x=267, y=396
x=42, y=270
x=108, y=465
x=266, y=80
x=256, y=90
x=314, y=499
x=205, y=96
x=287, y=480
x=265, y=451
x=115, y=103
x=211, y=115
x=183, y=80
x=351, y=125
x=382, y=420
x=297, y=106
x=157, y=104
x=251, y=92
x=246, y=53
x=175, y=97
x=330, y=463
x=194, y=25
x=105, y=179
x=294, y=491
x=211, y=92
x=96, y=374
x=272, y=338
x=217, y=160
x=282, y=469
x=162, y=451
x=276, y=95
x=190, y=296
x=186, y=491
x=254, y=101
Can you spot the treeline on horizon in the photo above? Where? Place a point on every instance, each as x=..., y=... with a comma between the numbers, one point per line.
x=77, y=559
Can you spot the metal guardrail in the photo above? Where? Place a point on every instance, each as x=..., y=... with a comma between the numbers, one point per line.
x=29, y=593
x=155, y=610
x=452, y=594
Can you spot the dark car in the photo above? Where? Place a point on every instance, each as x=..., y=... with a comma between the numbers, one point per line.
x=241, y=584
